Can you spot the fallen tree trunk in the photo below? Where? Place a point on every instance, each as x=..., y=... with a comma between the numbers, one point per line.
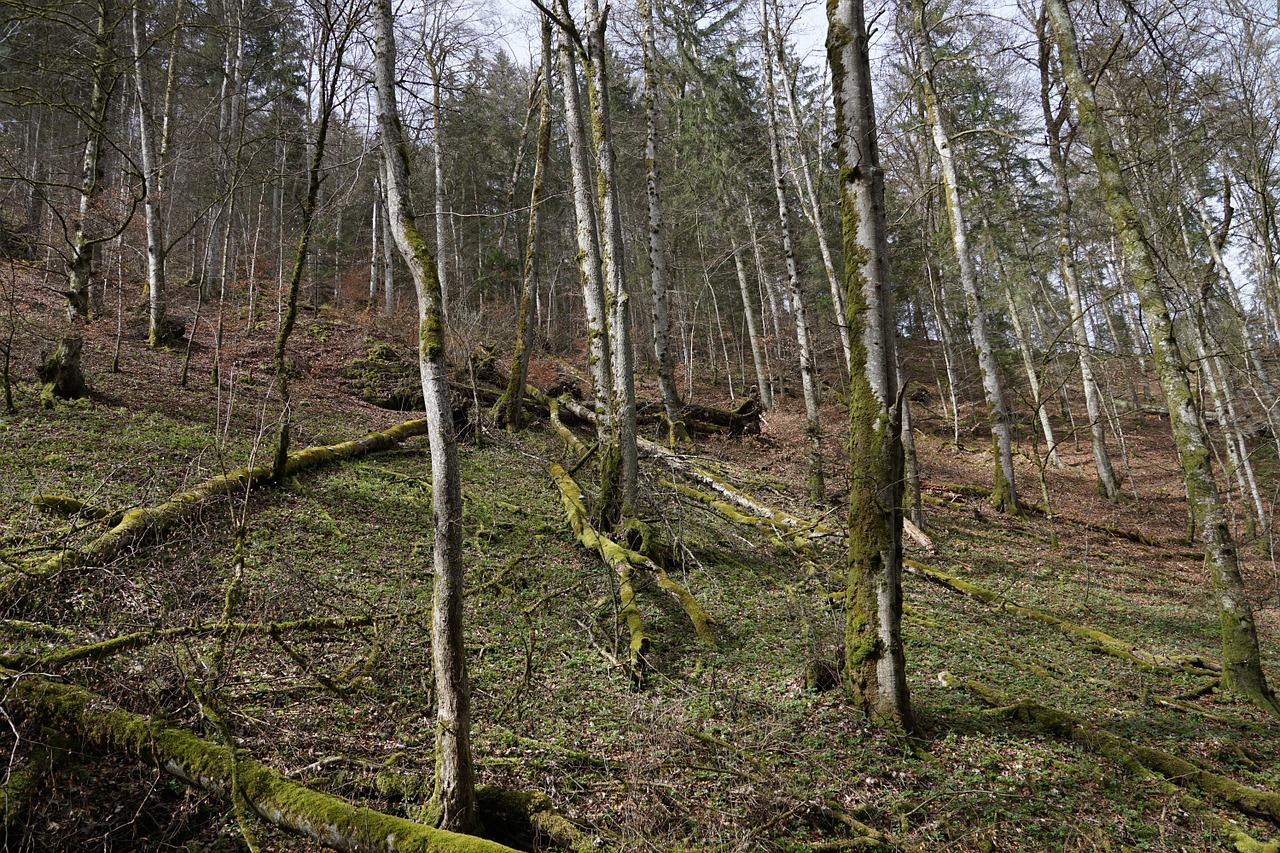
x=1139, y=759
x=138, y=523
x=1099, y=640
x=682, y=466
x=615, y=557
x=94, y=722
x=622, y=560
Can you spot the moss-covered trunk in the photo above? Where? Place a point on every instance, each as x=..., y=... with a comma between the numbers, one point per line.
x=1241, y=660
x=875, y=665
x=453, y=801
x=94, y=723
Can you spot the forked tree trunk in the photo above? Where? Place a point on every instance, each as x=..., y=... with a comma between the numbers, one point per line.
x=453, y=802
x=1241, y=660
x=808, y=364
x=588, y=236
x=875, y=662
x=621, y=357
x=1004, y=494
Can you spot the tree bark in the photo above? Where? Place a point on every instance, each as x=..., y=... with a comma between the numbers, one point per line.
x=875, y=664
x=657, y=233
x=808, y=363
x=1241, y=660
x=453, y=803
x=1005, y=493
x=512, y=401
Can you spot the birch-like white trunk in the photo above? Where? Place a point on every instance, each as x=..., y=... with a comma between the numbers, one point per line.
x=1005, y=494
x=453, y=802
x=808, y=364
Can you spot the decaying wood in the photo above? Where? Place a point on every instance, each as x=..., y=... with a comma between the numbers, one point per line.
x=623, y=560
x=1098, y=640
x=1141, y=761
x=97, y=724
x=685, y=468
x=143, y=521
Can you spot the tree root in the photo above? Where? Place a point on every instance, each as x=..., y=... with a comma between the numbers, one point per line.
x=1097, y=640
x=95, y=722
x=1171, y=773
x=615, y=556
x=138, y=523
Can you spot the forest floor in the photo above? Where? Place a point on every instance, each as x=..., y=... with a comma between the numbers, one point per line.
x=721, y=747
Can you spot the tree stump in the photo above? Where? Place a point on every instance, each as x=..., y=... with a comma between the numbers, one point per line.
x=60, y=373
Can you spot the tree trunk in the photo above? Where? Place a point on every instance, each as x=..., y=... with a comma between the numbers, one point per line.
x=453, y=802
x=753, y=330
x=599, y=357
x=809, y=203
x=512, y=402
x=808, y=363
x=83, y=244
x=875, y=662
x=1005, y=494
x=621, y=356
x=1241, y=661
x=657, y=234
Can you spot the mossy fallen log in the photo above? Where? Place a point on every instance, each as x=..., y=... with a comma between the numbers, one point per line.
x=128, y=642
x=140, y=522
x=726, y=492
x=69, y=507
x=1096, y=639
x=615, y=556
x=96, y=723
x=1141, y=761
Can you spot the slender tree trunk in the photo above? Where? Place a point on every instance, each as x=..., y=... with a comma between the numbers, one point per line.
x=1241, y=660
x=453, y=802
x=588, y=236
x=1005, y=494
x=802, y=178
x=375, y=245
x=657, y=235
x=875, y=662
x=1108, y=485
x=442, y=215
x=753, y=331
x=808, y=364
x=512, y=403
x=83, y=243
x=152, y=171
x=621, y=355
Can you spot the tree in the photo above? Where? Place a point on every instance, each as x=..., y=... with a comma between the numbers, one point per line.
x=453, y=802
x=1004, y=495
x=875, y=662
x=1241, y=660
x=808, y=359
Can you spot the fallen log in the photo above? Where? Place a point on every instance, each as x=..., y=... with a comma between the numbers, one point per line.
x=687, y=469
x=614, y=556
x=140, y=522
x=93, y=722
x=622, y=560
x=1141, y=761
x=1099, y=640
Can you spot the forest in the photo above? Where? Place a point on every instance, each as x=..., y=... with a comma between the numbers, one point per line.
x=722, y=425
